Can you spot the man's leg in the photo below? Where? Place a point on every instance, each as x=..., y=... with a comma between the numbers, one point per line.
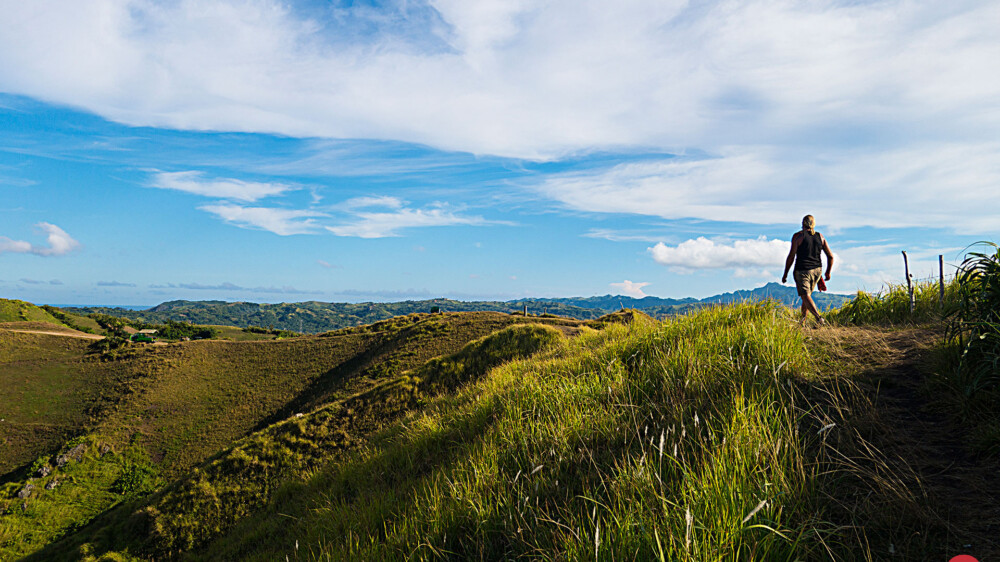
x=810, y=306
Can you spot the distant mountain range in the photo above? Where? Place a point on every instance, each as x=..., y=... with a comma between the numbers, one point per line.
x=314, y=316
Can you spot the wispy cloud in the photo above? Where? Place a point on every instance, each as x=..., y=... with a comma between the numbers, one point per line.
x=286, y=290
x=381, y=225
x=925, y=186
x=59, y=243
x=620, y=236
x=373, y=201
x=28, y=281
x=702, y=253
x=629, y=288
x=221, y=188
x=114, y=284
x=279, y=221
x=384, y=295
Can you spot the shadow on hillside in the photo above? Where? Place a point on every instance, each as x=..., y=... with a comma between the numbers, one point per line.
x=359, y=484
x=913, y=489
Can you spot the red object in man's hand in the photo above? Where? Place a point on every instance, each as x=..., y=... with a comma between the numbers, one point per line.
x=821, y=285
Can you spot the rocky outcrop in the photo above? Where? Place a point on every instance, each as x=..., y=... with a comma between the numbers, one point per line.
x=74, y=454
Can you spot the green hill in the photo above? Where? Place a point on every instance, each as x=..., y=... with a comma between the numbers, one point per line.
x=167, y=408
x=315, y=317
x=644, y=440
x=20, y=311
x=730, y=433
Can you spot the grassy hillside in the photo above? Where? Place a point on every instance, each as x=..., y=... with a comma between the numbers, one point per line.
x=222, y=492
x=646, y=440
x=43, y=396
x=172, y=406
x=20, y=311
x=728, y=434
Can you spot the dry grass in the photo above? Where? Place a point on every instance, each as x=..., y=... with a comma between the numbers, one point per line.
x=911, y=485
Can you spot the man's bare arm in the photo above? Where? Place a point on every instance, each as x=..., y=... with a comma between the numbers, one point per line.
x=791, y=256
x=829, y=258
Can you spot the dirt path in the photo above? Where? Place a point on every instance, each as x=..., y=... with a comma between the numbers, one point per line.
x=80, y=335
x=959, y=492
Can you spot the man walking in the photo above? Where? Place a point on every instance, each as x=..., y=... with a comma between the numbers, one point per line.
x=805, y=253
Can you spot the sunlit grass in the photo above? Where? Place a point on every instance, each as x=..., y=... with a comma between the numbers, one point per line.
x=891, y=306
x=649, y=441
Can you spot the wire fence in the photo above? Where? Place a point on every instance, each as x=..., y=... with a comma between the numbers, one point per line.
x=913, y=285
x=934, y=279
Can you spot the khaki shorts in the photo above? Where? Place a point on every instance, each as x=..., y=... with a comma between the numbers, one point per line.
x=805, y=280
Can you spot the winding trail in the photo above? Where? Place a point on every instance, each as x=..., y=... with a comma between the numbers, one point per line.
x=923, y=440
x=74, y=334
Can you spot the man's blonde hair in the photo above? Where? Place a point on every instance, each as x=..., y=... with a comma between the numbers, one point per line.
x=809, y=224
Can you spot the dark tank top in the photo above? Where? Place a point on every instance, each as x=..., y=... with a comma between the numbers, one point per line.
x=807, y=255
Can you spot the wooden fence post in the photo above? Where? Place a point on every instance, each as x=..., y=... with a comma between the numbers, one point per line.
x=941, y=284
x=909, y=282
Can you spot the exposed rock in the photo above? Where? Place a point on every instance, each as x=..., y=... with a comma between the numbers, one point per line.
x=52, y=484
x=75, y=454
x=26, y=491
x=44, y=471
x=105, y=449
x=24, y=506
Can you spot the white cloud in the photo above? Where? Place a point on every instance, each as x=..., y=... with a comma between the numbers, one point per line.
x=223, y=188
x=522, y=78
x=278, y=221
x=629, y=288
x=59, y=243
x=620, y=236
x=702, y=253
x=862, y=113
x=381, y=225
x=14, y=246
x=375, y=201
x=946, y=186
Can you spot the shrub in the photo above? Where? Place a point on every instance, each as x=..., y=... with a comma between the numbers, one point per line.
x=173, y=330
x=975, y=319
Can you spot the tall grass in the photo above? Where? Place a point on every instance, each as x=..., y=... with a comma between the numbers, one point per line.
x=973, y=349
x=891, y=306
x=673, y=441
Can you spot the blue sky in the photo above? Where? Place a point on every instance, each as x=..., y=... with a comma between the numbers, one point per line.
x=284, y=151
